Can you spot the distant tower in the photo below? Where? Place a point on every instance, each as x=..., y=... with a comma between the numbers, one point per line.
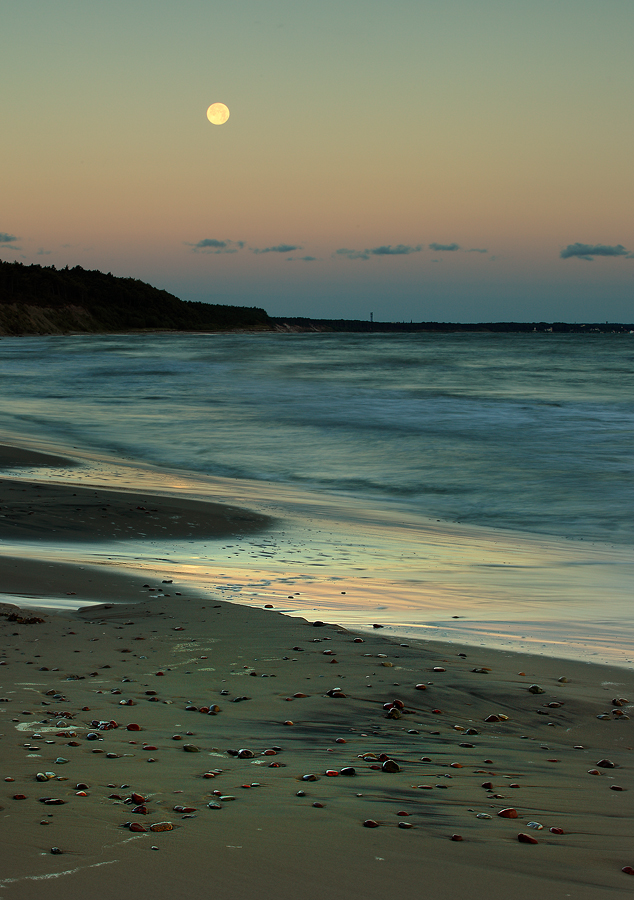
x=372, y=317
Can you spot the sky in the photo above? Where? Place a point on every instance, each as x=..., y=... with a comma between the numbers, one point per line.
x=434, y=160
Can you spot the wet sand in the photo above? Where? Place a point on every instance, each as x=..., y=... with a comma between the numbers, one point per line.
x=162, y=657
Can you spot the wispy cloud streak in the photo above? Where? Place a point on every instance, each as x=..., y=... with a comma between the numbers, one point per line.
x=589, y=251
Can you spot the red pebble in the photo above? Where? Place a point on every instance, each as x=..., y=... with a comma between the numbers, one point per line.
x=420, y=687
x=556, y=830
x=319, y=805
x=458, y=837
x=136, y=826
x=629, y=870
x=370, y=823
x=526, y=838
x=160, y=673
x=137, y=798
x=133, y=727
x=437, y=711
x=402, y=812
x=140, y=810
x=331, y=773
x=185, y=809
x=19, y=796
x=508, y=813
x=374, y=766
x=340, y=740
x=150, y=747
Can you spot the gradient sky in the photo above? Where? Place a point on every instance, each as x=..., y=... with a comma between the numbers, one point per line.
x=420, y=159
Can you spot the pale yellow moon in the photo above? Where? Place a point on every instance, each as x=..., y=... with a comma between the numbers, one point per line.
x=218, y=113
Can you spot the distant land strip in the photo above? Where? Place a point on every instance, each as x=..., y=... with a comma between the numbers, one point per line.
x=44, y=300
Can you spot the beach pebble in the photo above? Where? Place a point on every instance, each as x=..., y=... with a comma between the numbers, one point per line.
x=482, y=816
x=349, y=771
x=133, y=727
x=19, y=796
x=136, y=826
x=536, y=689
x=629, y=870
x=191, y=748
x=370, y=823
x=420, y=687
x=456, y=837
x=245, y=754
x=606, y=764
x=162, y=826
x=493, y=718
x=405, y=825
x=310, y=777
x=617, y=701
x=508, y=813
x=56, y=851
x=390, y=765
x=563, y=680
x=438, y=669
x=555, y=830
x=537, y=826
x=616, y=787
x=319, y=805
x=526, y=839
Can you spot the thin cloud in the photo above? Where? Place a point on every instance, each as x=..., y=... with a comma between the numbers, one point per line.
x=589, y=251
x=399, y=250
x=281, y=248
x=7, y=238
x=212, y=245
x=302, y=259
x=42, y=252
x=477, y=250
x=385, y=250
x=352, y=254
x=445, y=247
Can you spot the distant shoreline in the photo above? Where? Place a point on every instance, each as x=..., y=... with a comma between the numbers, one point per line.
x=43, y=300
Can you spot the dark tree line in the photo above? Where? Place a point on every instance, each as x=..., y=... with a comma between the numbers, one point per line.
x=88, y=300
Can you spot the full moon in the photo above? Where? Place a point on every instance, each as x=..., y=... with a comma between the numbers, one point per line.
x=218, y=113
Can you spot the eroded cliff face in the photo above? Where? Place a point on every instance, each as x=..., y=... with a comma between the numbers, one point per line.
x=24, y=318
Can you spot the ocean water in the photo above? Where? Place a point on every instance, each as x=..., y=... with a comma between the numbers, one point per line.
x=522, y=441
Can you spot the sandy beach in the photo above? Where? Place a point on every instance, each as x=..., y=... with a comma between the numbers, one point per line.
x=156, y=706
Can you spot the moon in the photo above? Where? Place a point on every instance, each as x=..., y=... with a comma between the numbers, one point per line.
x=218, y=113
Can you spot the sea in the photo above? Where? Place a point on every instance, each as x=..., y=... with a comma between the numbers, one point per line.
x=462, y=487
